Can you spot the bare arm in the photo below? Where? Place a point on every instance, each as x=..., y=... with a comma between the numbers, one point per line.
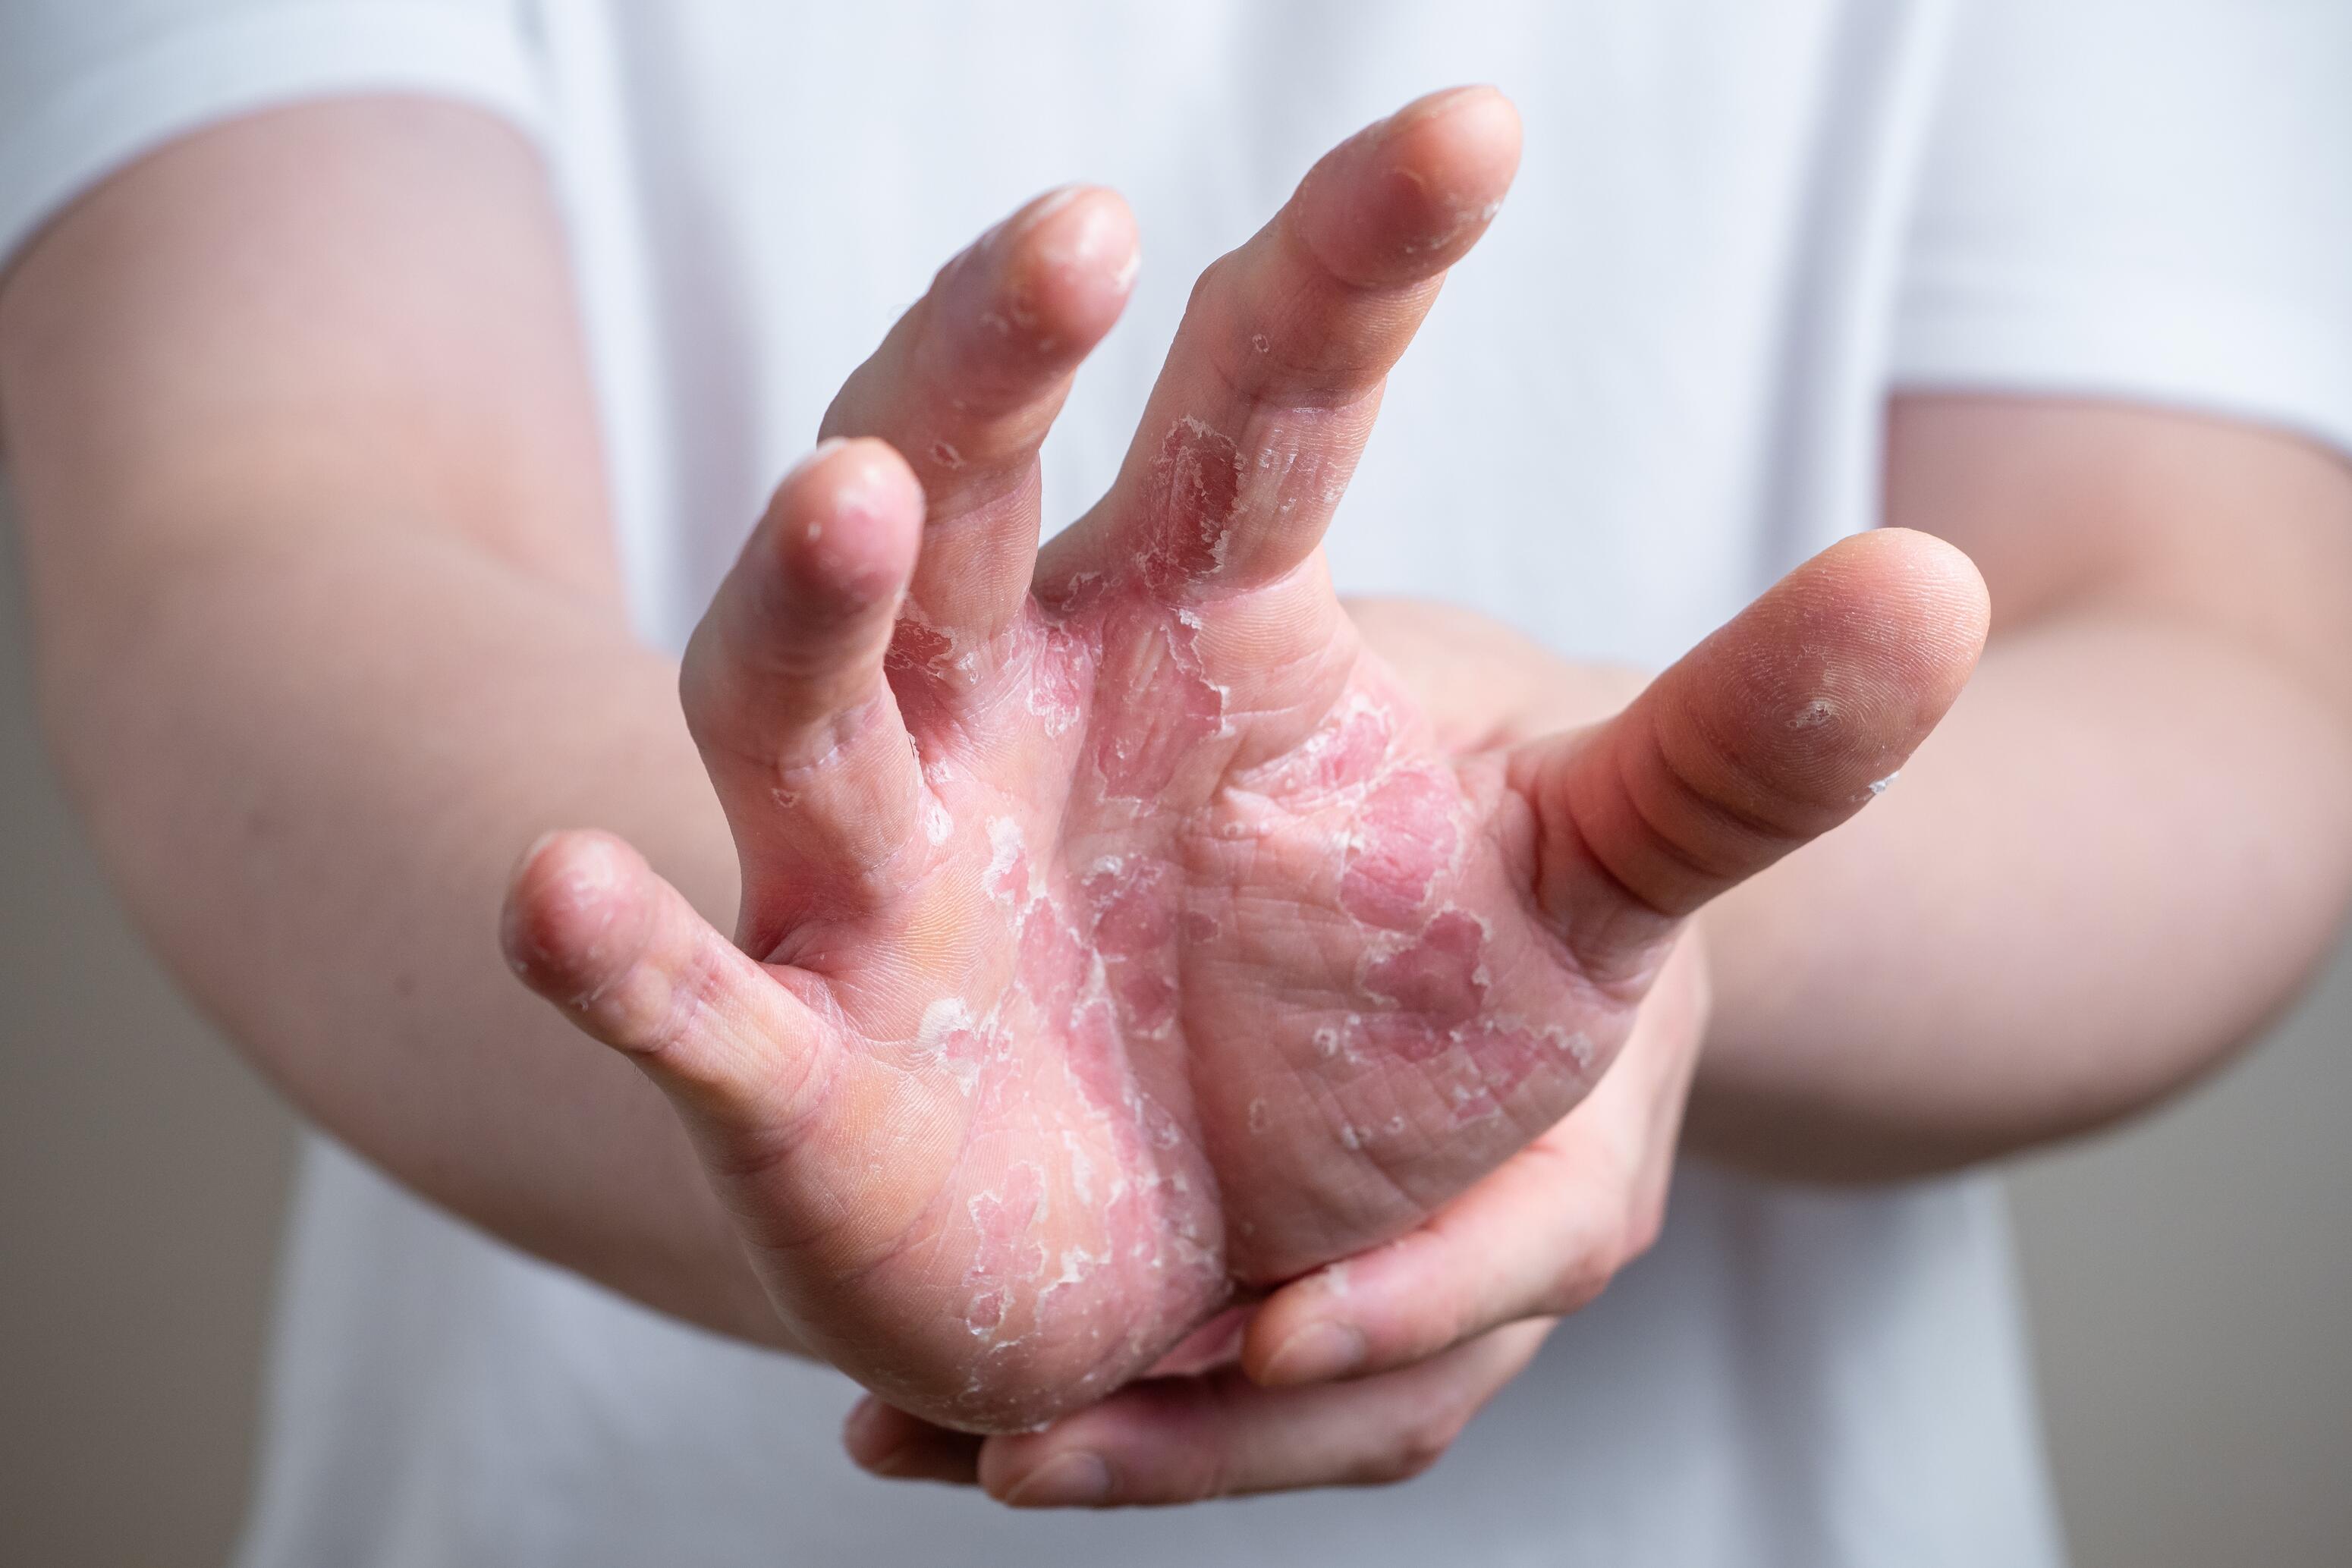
x=2120, y=854
x=327, y=627
x=2124, y=850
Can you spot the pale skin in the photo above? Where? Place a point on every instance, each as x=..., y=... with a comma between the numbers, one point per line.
x=1126, y=940
x=311, y=511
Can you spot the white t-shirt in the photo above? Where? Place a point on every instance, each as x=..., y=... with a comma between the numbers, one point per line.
x=1656, y=384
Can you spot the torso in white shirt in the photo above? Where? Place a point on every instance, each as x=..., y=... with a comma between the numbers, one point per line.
x=1657, y=384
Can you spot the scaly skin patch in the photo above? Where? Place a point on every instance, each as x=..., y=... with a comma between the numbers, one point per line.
x=1196, y=489
x=1231, y=973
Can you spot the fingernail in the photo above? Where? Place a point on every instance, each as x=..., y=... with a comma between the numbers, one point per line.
x=1066, y=1481
x=1315, y=1353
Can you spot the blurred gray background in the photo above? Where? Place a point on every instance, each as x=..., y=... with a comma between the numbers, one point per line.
x=2190, y=1278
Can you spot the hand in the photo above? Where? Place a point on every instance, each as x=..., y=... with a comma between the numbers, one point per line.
x=1413, y=1323
x=1125, y=936
x=1537, y=1240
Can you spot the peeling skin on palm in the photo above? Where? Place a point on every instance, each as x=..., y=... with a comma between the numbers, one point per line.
x=1254, y=1012
x=1206, y=966
x=1181, y=959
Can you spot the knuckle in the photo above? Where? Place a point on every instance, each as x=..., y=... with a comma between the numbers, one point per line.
x=1581, y=1282
x=1415, y=1449
x=1574, y=1291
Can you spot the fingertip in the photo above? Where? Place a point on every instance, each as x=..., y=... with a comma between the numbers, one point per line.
x=1907, y=560
x=843, y=527
x=850, y=474
x=1470, y=134
x=1409, y=197
x=1950, y=591
x=866, y=1434
x=1216, y=1342
x=1269, y=1327
x=1471, y=97
x=1073, y=1479
x=1912, y=601
x=1034, y=299
x=1088, y=243
x=1313, y=1330
x=1006, y=1457
x=876, y=1433
x=1776, y=729
x=1322, y=1351
x=1067, y=1464
x=1843, y=665
x=590, y=926
x=885, y=1441
x=573, y=913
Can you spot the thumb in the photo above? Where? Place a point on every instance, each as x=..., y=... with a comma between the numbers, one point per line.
x=1778, y=727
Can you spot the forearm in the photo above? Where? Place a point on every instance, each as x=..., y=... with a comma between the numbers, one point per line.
x=310, y=766
x=2115, y=859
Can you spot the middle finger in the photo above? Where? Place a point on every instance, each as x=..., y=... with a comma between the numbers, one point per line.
x=1272, y=385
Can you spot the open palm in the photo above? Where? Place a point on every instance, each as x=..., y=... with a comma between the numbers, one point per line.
x=1124, y=937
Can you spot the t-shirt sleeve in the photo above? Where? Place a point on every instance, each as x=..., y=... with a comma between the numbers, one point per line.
x=2143, y=199
x=87, y=86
